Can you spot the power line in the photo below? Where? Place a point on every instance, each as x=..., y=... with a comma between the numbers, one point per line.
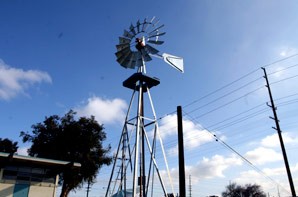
x=219, y=89
x=228, y=103
x=237, y=153
x=280, y=60
x=227, y=94
x=289, y=67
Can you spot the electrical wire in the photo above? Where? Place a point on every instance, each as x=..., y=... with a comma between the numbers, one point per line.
x=280, y=60
x=237, y=153
x=219, y=89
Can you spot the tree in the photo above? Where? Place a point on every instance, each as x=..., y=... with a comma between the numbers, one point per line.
x=70, y=140
x=249, y=190
x=254, y=190
x=8, y=146
x=232, y=190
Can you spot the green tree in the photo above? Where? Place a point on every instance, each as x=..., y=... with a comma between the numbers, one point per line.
x=8, y=146
x=249, y=190
x=72, y=140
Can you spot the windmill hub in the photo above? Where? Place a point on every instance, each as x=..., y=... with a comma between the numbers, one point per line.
x=140, y=44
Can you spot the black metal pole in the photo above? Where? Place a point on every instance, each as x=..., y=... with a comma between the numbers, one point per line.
x=280, y=136
x=182, y=190
x=88, y=188
x=143, y=177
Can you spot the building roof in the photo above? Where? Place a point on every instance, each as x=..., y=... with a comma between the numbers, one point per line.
x=27, y=160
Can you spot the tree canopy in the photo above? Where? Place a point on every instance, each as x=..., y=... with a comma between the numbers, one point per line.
x=65, y=138
x=8, y=146
x=249, y=190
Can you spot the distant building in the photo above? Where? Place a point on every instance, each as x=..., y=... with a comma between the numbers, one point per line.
x=24, y=176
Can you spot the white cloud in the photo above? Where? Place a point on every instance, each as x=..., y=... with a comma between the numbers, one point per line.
x=23, y=151
x=215, y=166
x=273, y=141
x=14, y=81
x=253, y=177
x=275, y=171
x=207, y=168
x=193, y=134
x=105, y=111
x=263, y=155
x=278, y=174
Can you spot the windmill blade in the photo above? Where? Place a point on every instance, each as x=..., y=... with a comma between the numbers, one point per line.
x=138, y=58
x=174, y=61
x=125, y=61
x=132, y=30
x=155, y=23
x=157, y=34
x=123, y=40
x=145, y=25
x=151, y=50
x=122, y=58
x=138, y=26
x=156, y=29
x=122, y=46
x=145, y=55
x=132, y=61
x=127, y=34
x=122, y=52
x=151, y=21
x=157, y=42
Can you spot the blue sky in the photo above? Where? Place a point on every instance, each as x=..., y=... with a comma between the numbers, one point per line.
x=59, y=55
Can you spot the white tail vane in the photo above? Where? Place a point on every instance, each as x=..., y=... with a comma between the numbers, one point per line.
x=174, y=61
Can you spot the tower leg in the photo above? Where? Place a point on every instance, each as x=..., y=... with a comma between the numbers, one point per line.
x=141, y=176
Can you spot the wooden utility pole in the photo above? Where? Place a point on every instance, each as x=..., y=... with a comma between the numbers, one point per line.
x=272, y=106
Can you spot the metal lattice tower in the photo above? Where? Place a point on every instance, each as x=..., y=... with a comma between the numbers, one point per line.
x=135, y=170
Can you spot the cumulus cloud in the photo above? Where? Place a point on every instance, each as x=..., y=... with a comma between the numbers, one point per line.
x=273, y=141
x=253, y=177
x=105, y=111
x=193, y=133
x=263, y=155
x=215, y=166
x=14, y=81
x=278, y=174
x=207, y=168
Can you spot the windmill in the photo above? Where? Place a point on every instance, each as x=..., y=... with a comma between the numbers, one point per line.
x=135, y=155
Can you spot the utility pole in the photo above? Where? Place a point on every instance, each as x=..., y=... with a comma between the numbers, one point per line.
x=182, y=190
x=272, y=106
x=88, y=188
x=189, y=185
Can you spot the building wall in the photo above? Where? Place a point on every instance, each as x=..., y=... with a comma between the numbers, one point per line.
x=8, y=181
x=6, y=189
x=38, y=191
